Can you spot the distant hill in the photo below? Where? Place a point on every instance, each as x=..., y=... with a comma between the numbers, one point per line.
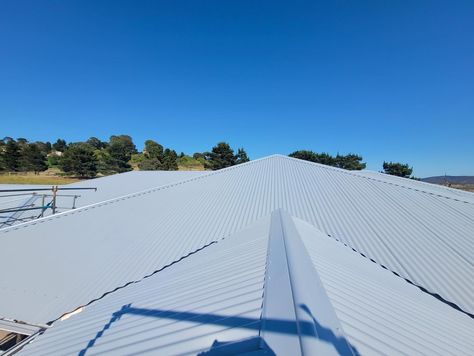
x=450, y=179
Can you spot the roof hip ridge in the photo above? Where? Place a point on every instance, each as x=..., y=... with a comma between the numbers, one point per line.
x=293, y=292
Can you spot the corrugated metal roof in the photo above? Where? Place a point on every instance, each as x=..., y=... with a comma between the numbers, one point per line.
x=228, y=293
x=214, y=298
x=108, y=187
x=419, y=185
x=117, y=185
x=409, y=231
x=382, y=314
x=8, y=200
x=213, y=295
x=7, y=204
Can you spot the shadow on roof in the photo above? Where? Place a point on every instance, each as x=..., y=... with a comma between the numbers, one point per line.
x=302, y=328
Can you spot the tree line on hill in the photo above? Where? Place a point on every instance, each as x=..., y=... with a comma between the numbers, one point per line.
x=89, y=158
x=350, y=161
x=119, y=154
x=353, y=162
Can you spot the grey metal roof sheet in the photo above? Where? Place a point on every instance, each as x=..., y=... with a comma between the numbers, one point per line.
x=9, y=218
x=108, y=187
x=8, y=201
x=97, y=247
x=226, y=293
x=214, y=294
x=419, y=185
x=117, y=185
x=382, y=314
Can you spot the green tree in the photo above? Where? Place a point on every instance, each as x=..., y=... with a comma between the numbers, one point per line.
x=322, y=158
x=170, y=160
x=104, y=162
x=44, y=147
x=22, y=141
x=60, y=145
x=150, y=164
x=79, y=160
x=11, y=156
x=351, y=162
x=33, y=159
x=155, y=158
x=241, y=156
x=2, y=148
x=397, y=169
x=221, y=156
x=96, y=143
x=199, y=155
x=152, y=157
x=120, y=149
x=153, y=149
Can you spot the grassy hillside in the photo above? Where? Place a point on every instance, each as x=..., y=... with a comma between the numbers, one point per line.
x=188, y=163
x=457, y=182
x=54, y=176
x=31, y=178
x=467, y=187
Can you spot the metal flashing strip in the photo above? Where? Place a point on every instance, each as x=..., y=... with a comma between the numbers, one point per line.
x=19, y=327
x=295, y=299
x=17, y=334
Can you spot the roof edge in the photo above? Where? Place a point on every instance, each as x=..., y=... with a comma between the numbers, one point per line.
x=355, y=174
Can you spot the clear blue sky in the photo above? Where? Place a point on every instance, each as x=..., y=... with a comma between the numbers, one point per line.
x=390, y=80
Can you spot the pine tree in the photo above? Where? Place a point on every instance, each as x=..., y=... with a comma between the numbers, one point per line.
x=33, y=159
x=170, y=160
x=120, y=149
x=150, y=164
x=60, y=145
x=397, y=169
x=11, y=156
x=241, y=156
x=350, y=161
x=79, y=160
x=96, y=143
x=322, y=158
x=221, y=156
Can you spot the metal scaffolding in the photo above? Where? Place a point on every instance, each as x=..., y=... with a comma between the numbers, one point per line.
x=25, y=200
